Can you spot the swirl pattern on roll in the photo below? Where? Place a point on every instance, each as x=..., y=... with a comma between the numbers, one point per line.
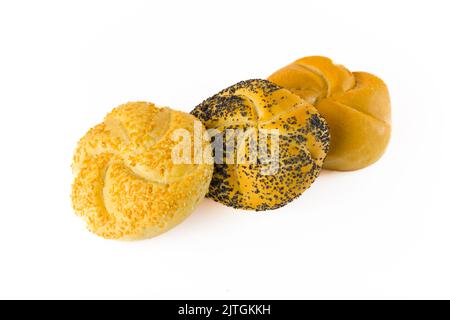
x=303, y=144
x=126, y=185
x=356, y=106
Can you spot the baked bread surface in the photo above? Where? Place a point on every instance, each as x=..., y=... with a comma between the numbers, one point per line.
x=356, y=106
x=126, y=184
x=303, y=141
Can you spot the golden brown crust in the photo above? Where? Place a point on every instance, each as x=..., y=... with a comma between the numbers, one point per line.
x=126, y=185
x=303, y=144
x=356, y=106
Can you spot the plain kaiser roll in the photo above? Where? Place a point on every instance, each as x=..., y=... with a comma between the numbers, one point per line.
x=127, y=185
x=300, y=146
x=356, y=106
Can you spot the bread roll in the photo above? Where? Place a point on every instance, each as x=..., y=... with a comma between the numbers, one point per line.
x=302, y=143
x=356, y=106
x=127, y=185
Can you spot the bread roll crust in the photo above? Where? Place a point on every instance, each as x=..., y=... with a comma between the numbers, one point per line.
x=356, y=106
x=303, y=144
x=126, y=184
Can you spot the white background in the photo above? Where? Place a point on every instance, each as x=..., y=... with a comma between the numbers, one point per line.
x=381, y=232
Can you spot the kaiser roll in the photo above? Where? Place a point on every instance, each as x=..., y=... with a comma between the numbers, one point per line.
x=356, y=106
x=127, y=185
x=298, y=148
